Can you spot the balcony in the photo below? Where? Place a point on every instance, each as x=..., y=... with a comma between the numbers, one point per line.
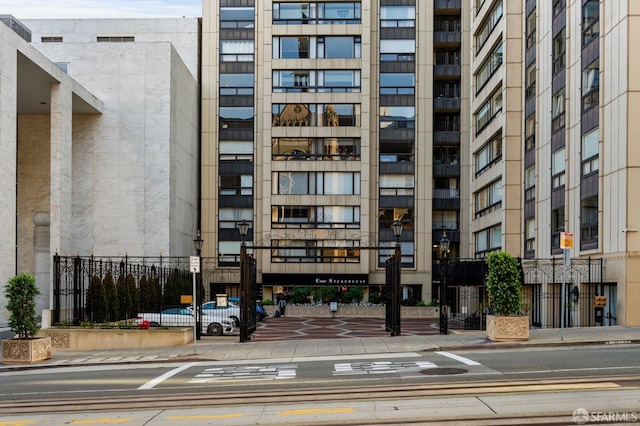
x=446, y=199
x=446, y=170
x=442, y=104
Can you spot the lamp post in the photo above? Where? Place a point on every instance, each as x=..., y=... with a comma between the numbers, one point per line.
x=397, y=227
x=197, y=244
x=444, y=247
x=243, y=228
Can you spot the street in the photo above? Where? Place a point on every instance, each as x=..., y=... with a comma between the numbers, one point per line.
x=471, y=383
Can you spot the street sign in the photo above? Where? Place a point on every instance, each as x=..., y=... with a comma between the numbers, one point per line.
x=194, y=262
x=566, y=240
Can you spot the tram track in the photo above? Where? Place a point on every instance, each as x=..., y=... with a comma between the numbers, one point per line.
x=191, y=397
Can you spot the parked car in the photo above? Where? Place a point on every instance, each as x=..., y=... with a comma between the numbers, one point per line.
x=232, y=311
x=212, y=323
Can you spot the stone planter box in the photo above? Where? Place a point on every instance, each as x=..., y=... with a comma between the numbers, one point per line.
x=509, y=328
x=82, y=339
x=25, y=351
x=356, y=311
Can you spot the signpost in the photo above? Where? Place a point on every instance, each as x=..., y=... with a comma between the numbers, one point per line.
x=194, y=266
x=566, y=244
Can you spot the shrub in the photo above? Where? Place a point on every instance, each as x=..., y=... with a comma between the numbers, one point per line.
x=353, y=295
x=327, y=293
x=267, y=302
x=21, y=292
x=300, y=294
x=504, y=287
x=375, y=298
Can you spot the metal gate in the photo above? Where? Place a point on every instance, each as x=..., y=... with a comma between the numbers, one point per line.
x=392, y=294
x=248, y=293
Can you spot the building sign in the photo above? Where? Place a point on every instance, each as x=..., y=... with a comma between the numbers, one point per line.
x=315, y=279
x=566, y=240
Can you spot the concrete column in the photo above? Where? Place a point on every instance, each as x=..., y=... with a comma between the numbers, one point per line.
x=8, y=149
x=61, y=167
x=42, y=260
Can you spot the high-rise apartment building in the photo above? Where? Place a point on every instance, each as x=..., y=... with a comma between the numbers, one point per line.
x=325, y=122
x=552, y=122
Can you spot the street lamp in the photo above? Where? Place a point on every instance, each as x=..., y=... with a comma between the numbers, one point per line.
x=444, y=247
x=396, y=280
x=197, y=244
x=243, y=227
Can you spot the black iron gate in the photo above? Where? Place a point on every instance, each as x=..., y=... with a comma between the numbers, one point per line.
x=248, y=294
x=392, y=294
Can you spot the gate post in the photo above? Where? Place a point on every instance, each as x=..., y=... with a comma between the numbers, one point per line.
x=393, y=291
x=444, y=276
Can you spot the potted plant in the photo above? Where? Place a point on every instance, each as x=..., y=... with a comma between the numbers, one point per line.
x=24, y=348
x=504, y=289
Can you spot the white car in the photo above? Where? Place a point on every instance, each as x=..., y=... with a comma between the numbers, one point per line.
x=213, y=323
x=232, y=311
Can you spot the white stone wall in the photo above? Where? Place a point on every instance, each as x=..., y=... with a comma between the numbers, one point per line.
x=134, y=167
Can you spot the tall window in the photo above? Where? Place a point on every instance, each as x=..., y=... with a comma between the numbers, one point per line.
x=558, y=167
x=531, y=30
x=488, y=111
x=236, y=17
x=530, y=133
x=397, y=16
x=557, y=112
x=591, y=85
x=236, y=50
x=530, y=235
x=489, y=154
x=487, y=26
x=320, y=183
x=397, y=117
x=236, y=84
x=316, y=47
x=397, y=83
x=559, y=52
x=489, y=67
x=557, y=226
x=589, y=154
x=487, y=240
x=589, y=223
x=397, y=50
x=488, y=198
x=590, y=21
x=530, y=183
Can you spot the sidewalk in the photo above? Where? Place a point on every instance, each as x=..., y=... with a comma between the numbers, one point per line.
x=228, y=348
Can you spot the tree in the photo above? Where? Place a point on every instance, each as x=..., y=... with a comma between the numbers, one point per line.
x=504, y=286
x=21, y=292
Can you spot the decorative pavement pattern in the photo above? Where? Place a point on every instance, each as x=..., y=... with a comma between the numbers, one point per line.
x=287, y=328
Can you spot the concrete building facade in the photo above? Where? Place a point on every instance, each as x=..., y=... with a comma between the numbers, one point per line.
x=99, y=140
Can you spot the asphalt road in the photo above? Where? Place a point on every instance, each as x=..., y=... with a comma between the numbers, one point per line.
x=595, y=378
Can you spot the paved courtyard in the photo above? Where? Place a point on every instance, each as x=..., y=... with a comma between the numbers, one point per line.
x=286, y=328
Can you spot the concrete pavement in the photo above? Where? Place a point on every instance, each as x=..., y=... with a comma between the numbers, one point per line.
x=228, y=348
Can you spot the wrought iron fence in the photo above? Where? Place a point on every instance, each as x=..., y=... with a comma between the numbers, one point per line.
x=108, y=289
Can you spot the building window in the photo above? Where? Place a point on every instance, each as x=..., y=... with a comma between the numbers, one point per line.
x=397, y=83
x=557, y=226
x=590, y=152
x=397, y=16
x=236, y=50
x=558, y=167
x=397, y=117
x=590, y=21
x=557, y=112
x=559, y=52
x=398, y=50
x=315, y=251
x=488, y=111
x=235, y=185
x=316, y=13
x=330, y=81
x=396, y=185
x=531, y=30
x=489, y=154
x=589, y=223
x=51, y=39
x=445, y=219
x=236, y=117
x=487, y=27
x=315, y=149
x=591, y=85
x=229, y=217
x=530, y=133
x=558, y=6
x=236, y=84
x=488, y=240
x=489, y=67
x=235, y=150
x=315, y=183
x=530, y=183
x=236, y=17
x=392, y=151
x=316, y=47
x=530, y=81
x=315, y=217
x=530, y=235
x=331, y=115
x=64, y=66
x=115, y=39
x=488, y=198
